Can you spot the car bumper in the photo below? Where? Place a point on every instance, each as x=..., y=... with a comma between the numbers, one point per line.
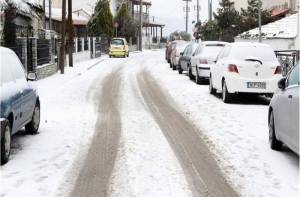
x=237, y=84
x=117, y=53
x=203, y=72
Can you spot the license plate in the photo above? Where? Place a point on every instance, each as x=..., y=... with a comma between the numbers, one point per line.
x=257, y=85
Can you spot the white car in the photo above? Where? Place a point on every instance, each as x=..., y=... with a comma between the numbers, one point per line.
x=244, y=67
x=204, y=57
x=284, y=113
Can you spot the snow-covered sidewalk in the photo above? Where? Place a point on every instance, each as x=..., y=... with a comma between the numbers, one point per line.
x=236, y=133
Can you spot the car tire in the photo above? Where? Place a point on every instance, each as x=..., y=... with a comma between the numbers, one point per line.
x=274, y=143
x=212, y=90
x=128, y=54
x=226, y=96
x=5, y=143
x=173, y=67
x=170, y=65
x=198, y=78
x=33, y=126
x=179, y=69
x=191, y=76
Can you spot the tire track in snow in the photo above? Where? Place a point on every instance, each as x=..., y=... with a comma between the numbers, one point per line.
x=95, y=174
x=201, y=169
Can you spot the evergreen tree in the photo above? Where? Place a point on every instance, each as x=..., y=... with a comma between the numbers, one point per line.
x=228, y=20
x=209, y=31
x=101, y=22
x=126, y=26
x=250, y=16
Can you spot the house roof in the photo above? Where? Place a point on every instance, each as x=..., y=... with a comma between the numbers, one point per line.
x=284, y=28
x=78, y=19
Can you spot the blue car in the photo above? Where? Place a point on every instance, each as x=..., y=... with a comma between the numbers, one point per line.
x=19, y=101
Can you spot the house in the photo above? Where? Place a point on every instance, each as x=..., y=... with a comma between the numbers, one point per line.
x=278, y=8
x=281, y=35
x=28, y=17
x=152, y=30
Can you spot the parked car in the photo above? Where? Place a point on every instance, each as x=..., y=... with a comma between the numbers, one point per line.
x=245, y=68
x=170, y=46
x=185, y=57
x=175, y=54
x=203, y=58
x=19, y=101
x=118, y=48
x=284, y=113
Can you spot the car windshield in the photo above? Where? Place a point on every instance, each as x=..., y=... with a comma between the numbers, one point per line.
x=117, y=42
x=212, y=50
x=264, y=54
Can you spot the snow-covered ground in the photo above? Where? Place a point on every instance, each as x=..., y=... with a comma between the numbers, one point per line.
x=236, y=133
x=39, y=163
x=43, y=164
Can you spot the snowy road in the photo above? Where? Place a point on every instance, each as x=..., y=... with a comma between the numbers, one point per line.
x=133, y=127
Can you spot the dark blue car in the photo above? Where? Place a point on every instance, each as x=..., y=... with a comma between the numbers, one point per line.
x=19, y=102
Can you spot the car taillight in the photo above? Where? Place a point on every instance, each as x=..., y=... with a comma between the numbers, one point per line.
x=278, y=70
x=203, y=61
x=233, y=68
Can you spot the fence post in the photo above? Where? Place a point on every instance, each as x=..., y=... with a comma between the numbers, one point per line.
x=94, y=47
x=34, y=53
x=24, y=53
x=76, y=45
x=82, y=44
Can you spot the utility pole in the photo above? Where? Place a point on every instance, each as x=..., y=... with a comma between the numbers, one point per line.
x=44, y=15
x=50, y=15
x=187, y=10
x=259, y=20
x=70, y=33
x=63, y=35
x=141, y=27
x=198, y=11
x=209, y=10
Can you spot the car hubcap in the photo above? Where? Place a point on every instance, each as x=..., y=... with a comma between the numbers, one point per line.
x=7, y=141
x=36, y=118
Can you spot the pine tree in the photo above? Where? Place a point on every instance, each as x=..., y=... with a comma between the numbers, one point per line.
x=101, y=23
x=250, y=16
x=228, y=20
x=127, y=27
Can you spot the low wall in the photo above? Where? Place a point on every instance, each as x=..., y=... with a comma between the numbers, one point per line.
x=46, y=70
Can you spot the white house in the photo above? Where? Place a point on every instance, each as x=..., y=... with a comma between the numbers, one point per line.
x=281, y=35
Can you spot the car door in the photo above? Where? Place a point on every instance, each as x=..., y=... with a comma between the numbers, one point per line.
x=183, y=61
x=194, y=59
x=26, y=98
x=292, y=93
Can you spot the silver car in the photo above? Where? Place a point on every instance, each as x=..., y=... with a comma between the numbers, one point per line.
x=284, y=113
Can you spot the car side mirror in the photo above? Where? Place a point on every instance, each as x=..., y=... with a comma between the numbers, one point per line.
x=282, y=83
x=31, y=76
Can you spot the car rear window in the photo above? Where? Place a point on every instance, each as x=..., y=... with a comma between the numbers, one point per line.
x=117, y=42
x=262, y=53
x=212, y=50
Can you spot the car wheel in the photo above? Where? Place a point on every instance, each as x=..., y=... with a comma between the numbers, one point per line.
x=212, y=90
x=179, y=69
x=33, y=126
x=198, y=78
x=5, y=143
x=173, y=67
x=226, y=96
x=191, y=76
x=128, y=54
x=170, y=64
x=274, y=143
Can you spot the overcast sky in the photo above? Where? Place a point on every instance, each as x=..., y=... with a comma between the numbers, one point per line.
x=168, y=12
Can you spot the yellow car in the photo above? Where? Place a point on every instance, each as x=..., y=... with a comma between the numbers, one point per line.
x=118, y=48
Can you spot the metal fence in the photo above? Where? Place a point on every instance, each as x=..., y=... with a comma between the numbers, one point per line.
x=287, y=59
x=43, y=52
